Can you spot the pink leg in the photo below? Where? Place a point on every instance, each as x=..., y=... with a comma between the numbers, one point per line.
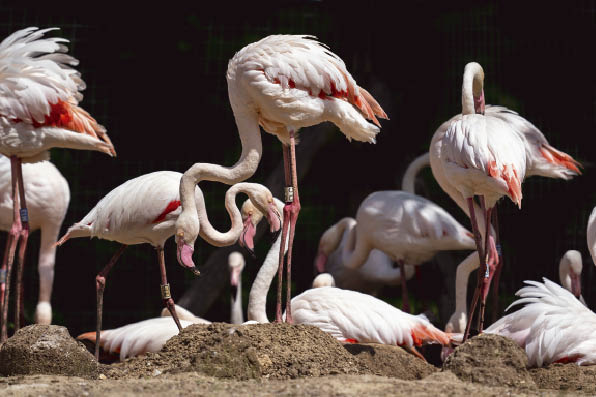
x=24, y=237
x=478, y=240
x=284, y=233
x=165, y=288
x=13, y=239
x=405, y=304
x=100, y=286
x=294, y=210
x=491, y=264
x=498, y=269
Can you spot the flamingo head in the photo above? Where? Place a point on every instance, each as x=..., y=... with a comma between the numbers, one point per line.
x=571, y=266
x=236, y=265
x=187, y=231
x=252, y=212
x=323, y=280
x=479, y=104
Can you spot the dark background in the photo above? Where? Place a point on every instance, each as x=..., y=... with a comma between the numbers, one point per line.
x=156, y=79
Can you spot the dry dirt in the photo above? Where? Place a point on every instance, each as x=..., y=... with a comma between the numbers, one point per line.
x=278, y=359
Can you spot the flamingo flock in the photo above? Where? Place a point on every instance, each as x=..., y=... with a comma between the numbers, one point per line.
x=283, y=83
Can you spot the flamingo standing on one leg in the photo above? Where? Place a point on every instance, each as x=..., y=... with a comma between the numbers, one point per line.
x=282, y=83
x=541, y=158
x=39, y=96
x=145, y=209
x=44, y=184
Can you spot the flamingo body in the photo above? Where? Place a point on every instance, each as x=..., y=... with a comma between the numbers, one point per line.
x=553, y=326
x=350, y=315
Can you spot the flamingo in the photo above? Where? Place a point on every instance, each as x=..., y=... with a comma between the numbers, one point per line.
x=282, y=83
x=151, y=335
x=39, y=96
x=144, y=210
x=552, y=327
x=43, y=184
x=323, y=280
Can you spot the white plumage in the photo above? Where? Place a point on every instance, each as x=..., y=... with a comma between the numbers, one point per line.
x=47, y=196
x=591, y=234
x=553, y=326
x=353, y=316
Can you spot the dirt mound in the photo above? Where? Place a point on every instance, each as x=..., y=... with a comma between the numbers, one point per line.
x=491, y=360
x=566, y=377
x=276, y=351
x=390, y=361
x=46, y=349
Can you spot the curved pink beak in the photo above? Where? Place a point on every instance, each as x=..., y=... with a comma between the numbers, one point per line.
x=234, y=277
x=320, y=262
x=248, y=234
x=576, y=285
x=184, y=255
x=274, y=220
x=479, y=104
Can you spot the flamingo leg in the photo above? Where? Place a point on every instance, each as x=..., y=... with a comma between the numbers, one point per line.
x=478, y=240
x=284, y=233
x=405, y=301
x=294, y=210
x=100, y=286
x=24, y=238
x=498, y=268
x=165, y=288
x=489, y=265
x=11, y=245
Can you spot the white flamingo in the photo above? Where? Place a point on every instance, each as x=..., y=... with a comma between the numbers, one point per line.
x=151, y=335
x=144, y=210
x=323, y=280
x=282, y=83
x=39, y=96
x=553, y=326
x=47, y=196
x=591, y=234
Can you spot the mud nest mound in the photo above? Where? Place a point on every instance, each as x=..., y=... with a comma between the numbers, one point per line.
x=569, y=377
x=491, y=360
x=390, y=361
x=275, y=351
x=46, y=349
x=268, y=351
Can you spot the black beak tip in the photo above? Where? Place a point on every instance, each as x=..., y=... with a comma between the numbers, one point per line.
x=251, y=252
x=275, y=235
x=195, y=271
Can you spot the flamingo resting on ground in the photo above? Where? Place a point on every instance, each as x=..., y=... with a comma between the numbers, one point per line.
x=349, y=316
x=151, y=335
x=145, y=209
x=47, y=195
x=552, y=327
x=282, y=83
x=540, y=157
x=39, y=96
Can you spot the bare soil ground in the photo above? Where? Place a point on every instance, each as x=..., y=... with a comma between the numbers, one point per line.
x=278, y=359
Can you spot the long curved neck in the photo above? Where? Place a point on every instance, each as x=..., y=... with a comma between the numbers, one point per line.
x=462, y=275
x=236, y=316
x=257, y=299
x=208, y=232
x=355, y=251
x=245, y=167
x=472, y=87
x=409, y=179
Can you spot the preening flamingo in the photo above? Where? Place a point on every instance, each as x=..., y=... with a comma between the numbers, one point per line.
x=47, y=196
x=323, y=280
x=553, y=326
x=145, y=209
x=39, y=96
x=540, y=157
x=151, y=335
x=282, y=83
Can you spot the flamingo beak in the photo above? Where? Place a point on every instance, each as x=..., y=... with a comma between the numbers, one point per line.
x=184, y=254
x=479, y=105
x=247, y=237
x=576, y=285
x=274, y=219
x=320, y=262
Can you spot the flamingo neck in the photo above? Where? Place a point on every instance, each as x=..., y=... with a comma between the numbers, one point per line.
x=409, y=179
x=467, y=266
x=355, y=251
x=472, y=94
x=236, y=316
x=257, y=300
x=223, y=239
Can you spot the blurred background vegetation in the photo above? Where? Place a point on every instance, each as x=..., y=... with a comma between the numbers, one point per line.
x=155, y=78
